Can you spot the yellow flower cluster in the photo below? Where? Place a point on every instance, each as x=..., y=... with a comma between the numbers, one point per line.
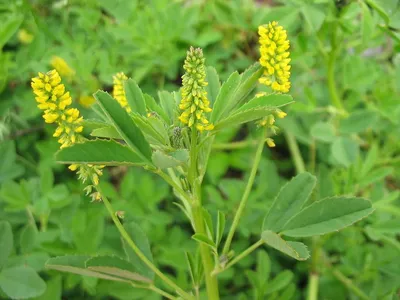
x=61, y=66
x=119, y=91
x=194, y=101
x=54, y=101
x=274, y=58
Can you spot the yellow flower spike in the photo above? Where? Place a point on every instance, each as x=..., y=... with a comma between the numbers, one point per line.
x=119, y=91
x=62, y=67
x=54, y=100
x=270, y=142
x=274, y=47
x=194, y=101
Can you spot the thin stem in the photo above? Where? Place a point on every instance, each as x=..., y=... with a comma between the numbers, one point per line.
x=312, y=293
x=153, y=288
x=349, y=284
x=173, y=184
x=135, y=248
x=295, y=152
x=161, y=292
x=211, y=280
x=246, y=193
x=241, y=256
x=197, y=213
x=234, y=145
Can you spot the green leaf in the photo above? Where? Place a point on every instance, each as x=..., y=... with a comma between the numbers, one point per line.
x=324, y=132
x=279, y=282
x=213, y=86
x=6, y=242
x=124, y=125
x=358, y=121
x=27, y=239
x=271, y=101
x=153, y=129
x=225, y=94
x=134, y=96
x=106, y=132
x=115, y=266
x=379, y=10
x=99, y=152
x=76, y=264
x=314, y=17
x=141, y=241
x=289, y=201
x=345, y=151
x=248, y=81
x=293, y=249
x=375, y=176
x=8, y=27
x=201, y=238
x=370, y=160
x=153, y=106
x=220, y=227
x=163, y=160
x=168, y=104
x=21, y=283
x=254, y=109
x=327, y=215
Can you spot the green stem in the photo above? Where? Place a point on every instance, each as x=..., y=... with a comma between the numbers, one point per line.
x=349, y=284
x=240, y=256
x=135, y=248
x=295, y=152
x=312, y=293
x=234, y=145
x=246, y=193
x=199, y=227
x=211, y=280
x=153, y=288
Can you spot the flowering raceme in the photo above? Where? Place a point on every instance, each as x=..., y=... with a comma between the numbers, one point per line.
x=194, y=101
x=118, y=90
x=274, y=47
x=54, y=101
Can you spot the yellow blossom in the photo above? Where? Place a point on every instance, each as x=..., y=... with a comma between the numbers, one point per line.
x=62, y=66
x=54, y=101
x=274, y=47
x=86, y=101
x=270, y=142
x=194, y=101
x=119, y=91
x=24, y=36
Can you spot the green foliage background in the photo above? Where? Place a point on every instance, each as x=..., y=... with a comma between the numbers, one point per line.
x=346, y=51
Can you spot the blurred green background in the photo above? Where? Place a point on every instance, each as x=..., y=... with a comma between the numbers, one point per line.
x=345, y=124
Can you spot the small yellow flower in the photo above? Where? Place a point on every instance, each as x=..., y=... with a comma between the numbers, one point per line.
x=194, y=101
x=86, y=101
x=280, y=114
x=119, y=91
x=270, y=142
x=25, y=37
x=62, y=66
x=274, y=47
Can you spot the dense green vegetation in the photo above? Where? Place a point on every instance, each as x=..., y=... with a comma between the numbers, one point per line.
x=343, y=128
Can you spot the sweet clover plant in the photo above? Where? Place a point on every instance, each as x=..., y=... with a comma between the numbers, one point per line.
x=173, y=139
